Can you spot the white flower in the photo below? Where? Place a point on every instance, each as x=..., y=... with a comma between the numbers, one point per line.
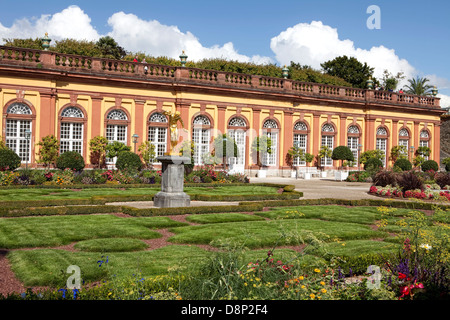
x=425, y=246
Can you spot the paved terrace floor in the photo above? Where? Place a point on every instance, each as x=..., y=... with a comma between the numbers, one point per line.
x=314, y=188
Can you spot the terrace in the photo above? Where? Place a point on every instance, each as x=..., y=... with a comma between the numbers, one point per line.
x=12, y=58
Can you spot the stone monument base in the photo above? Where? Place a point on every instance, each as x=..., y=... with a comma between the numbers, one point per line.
x=172, y=183
x=170, y=200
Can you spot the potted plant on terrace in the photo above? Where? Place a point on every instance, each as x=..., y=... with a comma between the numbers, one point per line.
x=294, y=153
x=342, y=153
x=324, y=152
x=261, y=146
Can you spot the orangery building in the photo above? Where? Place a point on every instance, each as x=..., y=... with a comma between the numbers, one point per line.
x=77, y=98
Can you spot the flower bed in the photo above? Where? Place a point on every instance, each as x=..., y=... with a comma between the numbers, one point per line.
x=428, y=193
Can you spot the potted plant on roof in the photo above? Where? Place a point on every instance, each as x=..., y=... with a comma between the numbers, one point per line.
x=342, y=153
x=261, y=146
x=324, y=152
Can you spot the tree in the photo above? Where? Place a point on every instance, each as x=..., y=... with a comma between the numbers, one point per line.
x=390, y=82
x=366, y=155
x=342, y=153
x=294, y=153
x=349, y=69
x=418, y=86
x=147, y=150
x=97, y=146
x=399, y=152
x=49, y=151
x=109, y=48
x=324, y=152
x=261, y=145
x=113, y=149
x=225, y=147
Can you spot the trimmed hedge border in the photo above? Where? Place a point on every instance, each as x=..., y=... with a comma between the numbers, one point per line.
x=360, y=202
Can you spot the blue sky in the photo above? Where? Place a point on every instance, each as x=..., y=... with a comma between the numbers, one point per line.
x=413, y=35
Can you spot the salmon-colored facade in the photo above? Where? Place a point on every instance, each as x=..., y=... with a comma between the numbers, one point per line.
x=77, y=98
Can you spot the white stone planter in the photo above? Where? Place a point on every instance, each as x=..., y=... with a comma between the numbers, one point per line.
x=341, y=175
x=262, y=173
x=293, y=174
x=323, y=174
x=307, y=175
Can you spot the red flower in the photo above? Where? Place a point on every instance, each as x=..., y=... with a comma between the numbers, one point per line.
x=401, y=275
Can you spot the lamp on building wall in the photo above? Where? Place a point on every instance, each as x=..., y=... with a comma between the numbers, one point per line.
x=46, y=42
x=135, y=139
x=434, y=91
x=285, y=72
x=183, y=58
x=27, y=137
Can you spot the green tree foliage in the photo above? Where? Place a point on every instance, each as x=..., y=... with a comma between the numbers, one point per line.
x=260, y=146
x=349, y=69
x=109, y=48
x=399, y=152
x=127, y=160
x=9, y=160
x=418, y=86
x=114, y=148
x=97, y=146
x=70, y=160
x=24, y=43
x=148, y=154
x=366, y=155
x=225, y=147
x=342, y=153
x=78, y=47
x=49, y=150
x=390, y=81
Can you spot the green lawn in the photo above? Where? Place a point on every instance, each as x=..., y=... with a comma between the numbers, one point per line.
x=346, y=231
x=86, y=193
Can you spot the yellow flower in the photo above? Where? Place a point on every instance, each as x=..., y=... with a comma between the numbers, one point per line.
x=324, y=290
x=317, y=270
x=312, y=296
x=301, y=278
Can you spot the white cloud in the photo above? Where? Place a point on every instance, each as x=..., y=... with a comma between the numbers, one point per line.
x=314, y=43
x=157, y=39
x=71, y=22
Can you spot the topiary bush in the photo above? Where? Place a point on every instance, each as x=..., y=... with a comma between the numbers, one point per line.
x=430, y=165
x=128, y=160
x=70, y=160
x=403, y=164
x=373, y=164
x=342, y=153
x=9, y=160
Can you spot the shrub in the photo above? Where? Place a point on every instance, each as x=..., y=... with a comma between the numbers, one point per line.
x=70, y=160
x=342, y=153
x=373, y=164
x=9, y=160
x=410, y=181
x=385, y=177
x=403, y=164
x=430, y=165
x=443, y=179
x=128, y=160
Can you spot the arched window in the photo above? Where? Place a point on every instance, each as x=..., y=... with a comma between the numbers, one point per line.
x=201, y=137
x=18, y=123
x=237, y=131
x=300, y=140
x=381, y=143
x=403, y=139
x=157, y=133
x=353, y=135
x=116, y=129
x=327, y=140
x=71, y=130
x=270, y=129
x=424, y=140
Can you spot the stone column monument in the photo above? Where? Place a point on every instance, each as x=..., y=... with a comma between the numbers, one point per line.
x=172, y=178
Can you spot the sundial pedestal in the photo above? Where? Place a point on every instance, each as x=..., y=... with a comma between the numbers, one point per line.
x=172, y=183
